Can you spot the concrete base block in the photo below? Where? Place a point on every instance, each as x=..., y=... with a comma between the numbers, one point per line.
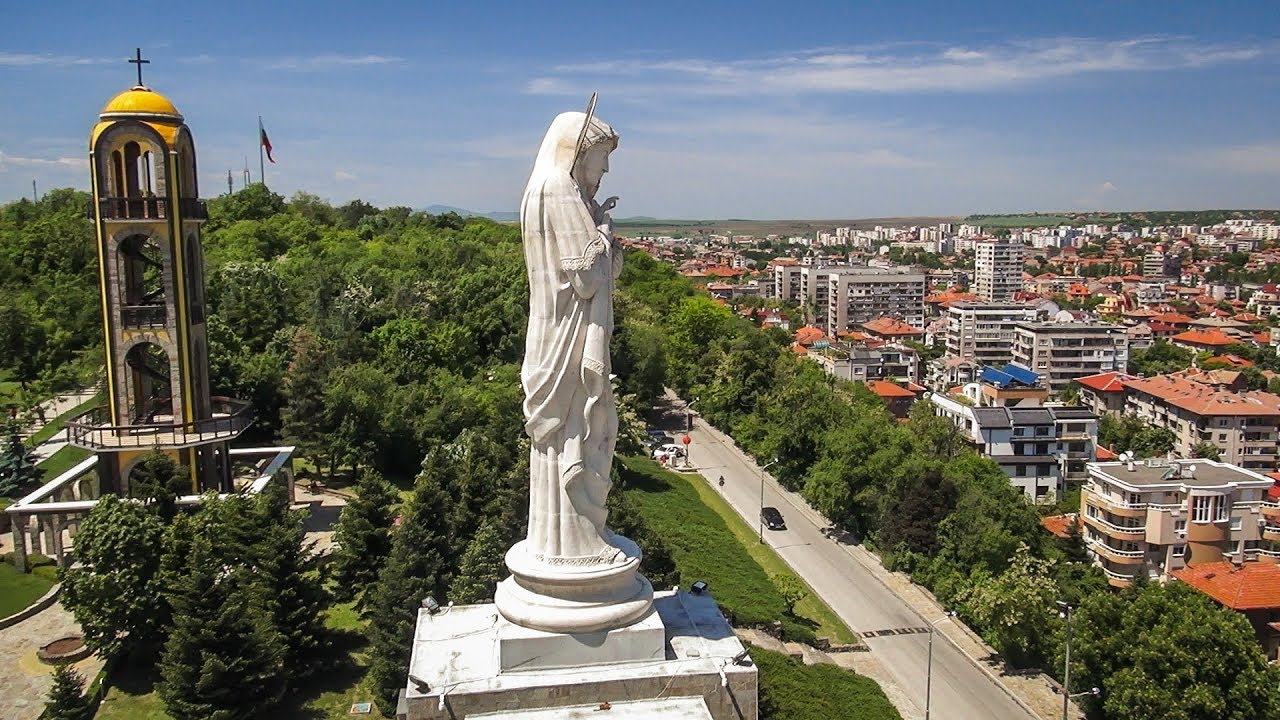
x=525, y=649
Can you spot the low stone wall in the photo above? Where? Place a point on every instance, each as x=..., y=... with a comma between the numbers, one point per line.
x=44, y=602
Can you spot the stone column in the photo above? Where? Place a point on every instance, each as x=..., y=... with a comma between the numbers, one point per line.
x=56, y=526
x=20, y=542
x=35, y=535
x=49, y=543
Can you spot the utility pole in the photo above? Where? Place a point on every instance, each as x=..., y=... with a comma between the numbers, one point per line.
x=1066, y=612
x=35, y=197
x=230, y=189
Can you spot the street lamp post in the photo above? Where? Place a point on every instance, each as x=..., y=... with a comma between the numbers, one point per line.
x=766, y=467
x=928, y=678
x=1065, y=611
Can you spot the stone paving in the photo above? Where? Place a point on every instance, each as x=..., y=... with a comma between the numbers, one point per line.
x=24, y=680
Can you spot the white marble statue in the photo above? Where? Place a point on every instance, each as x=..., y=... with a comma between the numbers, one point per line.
x=572, y=262
x=571, y=574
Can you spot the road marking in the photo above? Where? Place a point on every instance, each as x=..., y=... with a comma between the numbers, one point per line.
x=893, y=631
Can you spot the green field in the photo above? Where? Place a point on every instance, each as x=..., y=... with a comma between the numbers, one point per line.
x=57, y=423
x=1019, y=221
x=18, y=590
x=709, y=541
x=61, y=461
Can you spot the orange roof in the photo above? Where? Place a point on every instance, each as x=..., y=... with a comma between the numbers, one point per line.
x=1105, y=454
x=886, y=389
x=1212, y=337
x=1247, y=318
x=890, y=326
x=722, y=271
x=1232, y=360
x=1252, y=586
x=1059, y=524
x=1173, y=318
x=1105, y=382
x=1203, y=399
x=809, y=335
x=799, y=350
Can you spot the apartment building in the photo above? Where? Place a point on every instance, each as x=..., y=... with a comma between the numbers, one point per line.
x=1040, y=448
x=1244, y=426
x=862, y=364
x=1158, y=516
x=998, y=270
x=1062, y=352
x=786, y=281
x=857, y=295
x=984, y=332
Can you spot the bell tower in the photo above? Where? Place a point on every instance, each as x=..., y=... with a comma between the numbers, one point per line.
x=148, y=215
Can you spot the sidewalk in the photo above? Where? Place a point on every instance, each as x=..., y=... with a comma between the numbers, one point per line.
x=1037, y=691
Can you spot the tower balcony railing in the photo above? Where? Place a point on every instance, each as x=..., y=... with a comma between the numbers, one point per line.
x=141, y=316
x=150, y=208
x=93, y=430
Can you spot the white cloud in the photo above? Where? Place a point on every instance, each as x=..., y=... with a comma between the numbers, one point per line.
x=329, y=61
x=66, y=162
x=343, y=176
x=896, y=69
x=23, y=59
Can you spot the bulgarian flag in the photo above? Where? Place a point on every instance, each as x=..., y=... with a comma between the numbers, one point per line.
x=266, y=142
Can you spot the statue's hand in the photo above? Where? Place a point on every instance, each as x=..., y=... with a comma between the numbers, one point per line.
x=609, y=204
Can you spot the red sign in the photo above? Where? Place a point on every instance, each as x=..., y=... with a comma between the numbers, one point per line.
x=685, y=440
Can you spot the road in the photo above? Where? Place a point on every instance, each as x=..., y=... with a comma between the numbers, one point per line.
x=960, y=689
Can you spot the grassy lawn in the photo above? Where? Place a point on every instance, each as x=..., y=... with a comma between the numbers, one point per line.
x=1012, y=221
x=710, y=541
x=48, y=431
x=62, y=461
x=791, y=690
x=18, y=590
x=329, y=695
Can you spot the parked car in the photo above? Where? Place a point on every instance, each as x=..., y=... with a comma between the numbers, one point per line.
x=669, y=451
x=657, y=437
x=772, y=519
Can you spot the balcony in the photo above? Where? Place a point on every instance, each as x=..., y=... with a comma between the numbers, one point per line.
x=143, y=316
x=93, y=430
x=1116, y=507
x=1119, y=532
x=1118, y=580
x=1271, y=531
x=1271, y=511
x=149, y=208
x=1116, y=555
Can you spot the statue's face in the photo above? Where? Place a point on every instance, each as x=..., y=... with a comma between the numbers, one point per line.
x=592, y=166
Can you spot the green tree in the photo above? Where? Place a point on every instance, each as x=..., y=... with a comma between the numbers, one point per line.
x=419, y=566
x=159, y=481
x=304, y=384
x=66, y=699
x=791, y=588
x=482, y=565
x=363, y=536
x=224, y=657
x=17, y=461
x=1015, y=608
x=1206, y=450
x=113, y=590
x=1167, y=651
x=1161, y=357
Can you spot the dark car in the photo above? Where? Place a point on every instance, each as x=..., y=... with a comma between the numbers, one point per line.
x=772, y=519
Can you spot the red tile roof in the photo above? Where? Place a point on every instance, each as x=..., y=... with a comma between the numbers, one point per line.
x=886, y=389
x=1106, y=382
x=890, y=326
x=1252, y=586
x=1232, y=360
x=1211, y=337
x=809, y=335
x=1203, y=399
x=1058, y=524
x=1173, y=318
x=1105, y=454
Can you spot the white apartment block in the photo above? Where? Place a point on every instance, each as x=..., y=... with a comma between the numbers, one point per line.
x=984, y=332
x=998, y=270
x=1062, y=352
x=856, y=295
x=1157, y=516
x=786, y=282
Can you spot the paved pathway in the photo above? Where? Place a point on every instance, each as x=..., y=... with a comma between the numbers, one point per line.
x=24, y=680
x=891, y=612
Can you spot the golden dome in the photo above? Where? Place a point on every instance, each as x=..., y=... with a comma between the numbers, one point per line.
x=141, y=101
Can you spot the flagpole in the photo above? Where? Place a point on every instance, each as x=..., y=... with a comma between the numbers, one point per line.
x=262, y=168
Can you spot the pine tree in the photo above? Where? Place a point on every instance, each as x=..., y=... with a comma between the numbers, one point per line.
x=159, y=481
x=287, y=571
x=224, y=658
x=66, y=696
x=482, y=565
x=17, y=461
x=304, y=384
x=363, y=536
x=419, y=566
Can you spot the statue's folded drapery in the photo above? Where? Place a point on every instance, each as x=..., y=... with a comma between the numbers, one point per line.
x=569, y=407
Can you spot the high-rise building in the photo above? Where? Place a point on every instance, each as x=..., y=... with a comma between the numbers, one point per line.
x=857, y=295
x=984, y=332
x=997, y=270
x=1062, y=352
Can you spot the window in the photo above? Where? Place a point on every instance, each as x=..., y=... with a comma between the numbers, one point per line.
x=1179, y=550
x=1041, y=430
x=1180, y=526
x=1224, y=510
x=1201, y=508
x=1222, y=437
x=1042, y=470
x=1020, y=470
x=1237, y=522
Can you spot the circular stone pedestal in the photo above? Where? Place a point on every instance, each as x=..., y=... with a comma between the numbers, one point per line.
x=561, y=596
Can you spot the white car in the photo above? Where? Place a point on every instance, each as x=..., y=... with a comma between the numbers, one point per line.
x=669, y=451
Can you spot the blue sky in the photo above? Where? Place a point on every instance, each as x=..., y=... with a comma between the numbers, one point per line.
x=726, y=109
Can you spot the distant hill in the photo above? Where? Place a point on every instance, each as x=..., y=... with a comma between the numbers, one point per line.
x=498, y=216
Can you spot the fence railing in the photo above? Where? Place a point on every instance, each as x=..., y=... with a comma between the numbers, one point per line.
x=93, y=430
